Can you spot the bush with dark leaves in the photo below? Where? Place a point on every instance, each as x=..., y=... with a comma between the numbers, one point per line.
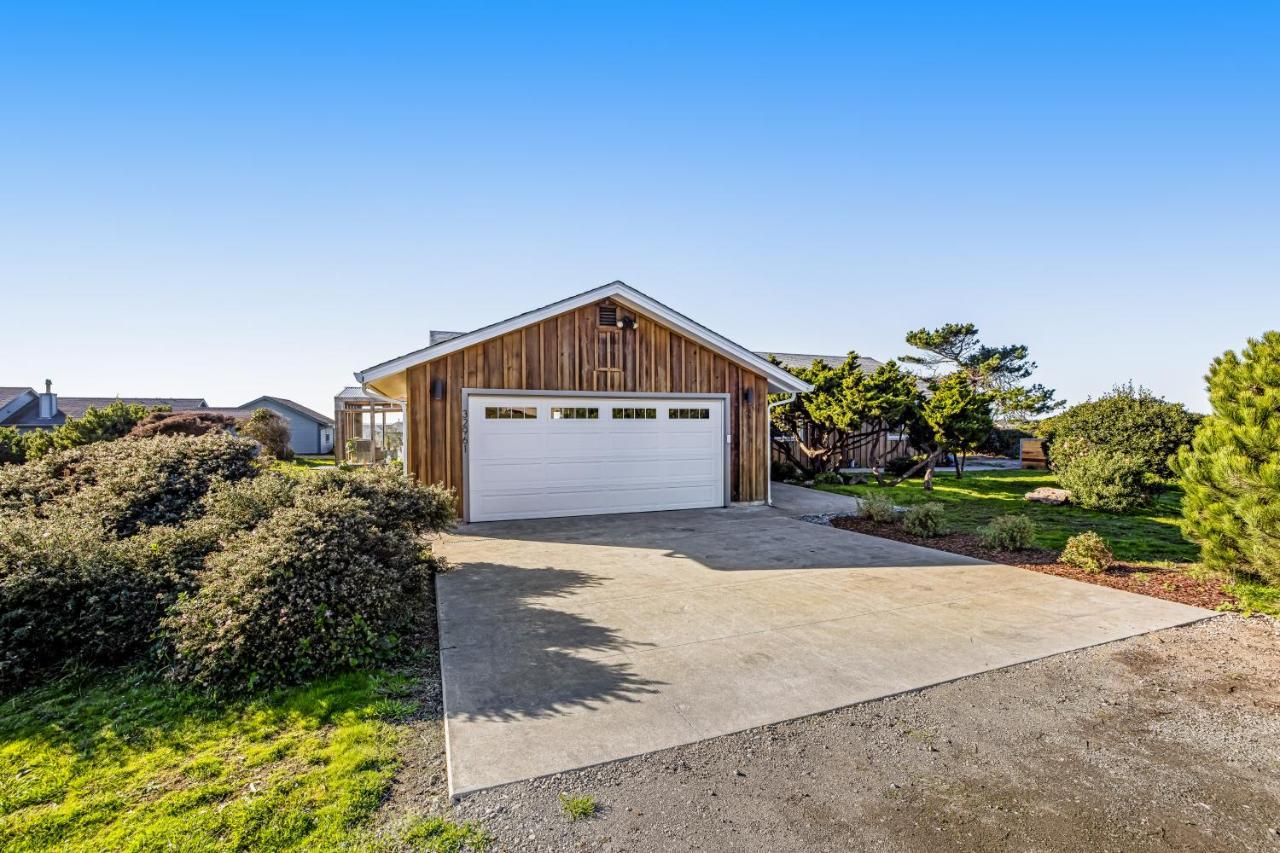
x=127, y=485
x=316, y=586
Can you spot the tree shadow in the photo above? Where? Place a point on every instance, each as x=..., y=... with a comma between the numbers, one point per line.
x=505, y=656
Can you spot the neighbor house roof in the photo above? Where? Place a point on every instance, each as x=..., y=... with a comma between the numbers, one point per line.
x=75, y=407
x=289, y=404
x=795, y=359
x=8, y=395
x=779, y=379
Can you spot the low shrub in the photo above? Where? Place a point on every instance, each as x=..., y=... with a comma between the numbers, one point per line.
x=786, y=472
x=900, y=466
x=878, y=508
x=828, y=478
x=1087, y=551
x=317, y=586
x=927, y=520
x=270, y=430
x=1008, y=533
x=1105, y=480
x=127, y=485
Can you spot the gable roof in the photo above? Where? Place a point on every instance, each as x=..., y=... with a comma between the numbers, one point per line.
x=779, y=379
x=289, y=404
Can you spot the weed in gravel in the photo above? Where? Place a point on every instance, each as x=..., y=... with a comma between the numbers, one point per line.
x=437, y=835
x=579, y=806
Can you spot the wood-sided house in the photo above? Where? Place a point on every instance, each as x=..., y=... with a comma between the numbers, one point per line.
x=607, y=401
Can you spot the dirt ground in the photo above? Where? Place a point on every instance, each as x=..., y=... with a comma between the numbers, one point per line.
x=1169, y=741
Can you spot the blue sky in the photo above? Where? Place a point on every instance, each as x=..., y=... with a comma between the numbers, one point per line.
x=235, y=199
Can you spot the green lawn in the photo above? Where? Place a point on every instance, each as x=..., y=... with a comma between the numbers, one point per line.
x=117, y=761
x=1149, y=535
x=302, y=464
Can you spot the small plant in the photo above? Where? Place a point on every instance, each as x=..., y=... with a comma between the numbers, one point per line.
x=1008, y=533
x=879, y=509
x=1141, y=577
x=578, y=807
x=925, y=520
x=786, y=472
x=1087, y=551
x=827, y=478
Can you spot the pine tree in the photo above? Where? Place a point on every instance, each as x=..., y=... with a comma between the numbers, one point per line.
x=959, y=416
x=1231, y=472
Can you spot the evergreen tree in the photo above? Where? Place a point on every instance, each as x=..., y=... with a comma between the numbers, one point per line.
x=959, y=416
x=1231, y=472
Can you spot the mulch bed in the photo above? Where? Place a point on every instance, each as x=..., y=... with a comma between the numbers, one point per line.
x=1171, y=584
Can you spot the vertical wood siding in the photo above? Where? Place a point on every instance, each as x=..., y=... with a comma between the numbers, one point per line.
x=567, y=353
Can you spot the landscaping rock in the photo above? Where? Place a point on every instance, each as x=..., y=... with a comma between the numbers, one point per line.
x=1046, y=495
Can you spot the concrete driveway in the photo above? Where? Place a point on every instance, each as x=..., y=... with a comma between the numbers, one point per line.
x=571, y=642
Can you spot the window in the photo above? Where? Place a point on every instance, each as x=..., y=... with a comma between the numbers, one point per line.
x=630, y=414
x=576, y=414
x=688, y=414
x=510, y=413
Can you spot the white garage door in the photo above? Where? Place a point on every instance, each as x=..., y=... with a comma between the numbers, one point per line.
x=539, y=457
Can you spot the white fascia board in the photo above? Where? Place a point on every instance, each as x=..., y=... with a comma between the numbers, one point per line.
x=779, y=379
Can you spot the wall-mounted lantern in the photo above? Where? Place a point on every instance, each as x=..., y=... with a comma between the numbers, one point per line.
x=437, y=389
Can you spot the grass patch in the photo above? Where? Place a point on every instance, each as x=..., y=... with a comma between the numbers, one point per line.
x=578, y=807
x=972, y=502
x=437, y=835
x=302, y=464
x=116, y=761
x=1255, y=597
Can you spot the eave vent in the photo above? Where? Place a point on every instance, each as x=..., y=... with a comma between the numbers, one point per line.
x=608, y=315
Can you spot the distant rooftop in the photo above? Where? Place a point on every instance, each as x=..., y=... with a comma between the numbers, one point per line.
x=795, y=359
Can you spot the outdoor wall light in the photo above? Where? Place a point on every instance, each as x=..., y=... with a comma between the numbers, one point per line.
x=626, y=322
x=748, y=394
x=437, y=389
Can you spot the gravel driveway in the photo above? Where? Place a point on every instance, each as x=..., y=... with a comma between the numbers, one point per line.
x=1169, y=741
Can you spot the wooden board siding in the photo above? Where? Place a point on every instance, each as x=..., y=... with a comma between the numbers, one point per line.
x=564, y=353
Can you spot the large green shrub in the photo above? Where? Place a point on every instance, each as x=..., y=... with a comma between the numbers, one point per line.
x=127, y=485
x=1129, y=420
x=1231, y=472
x=1106, y=480
x=316, y=586
x=270, y=430
x=67, y=593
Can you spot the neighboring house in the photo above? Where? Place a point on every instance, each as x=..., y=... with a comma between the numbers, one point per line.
x=24, y=408
x=871, y=454
x=604, y=402
x=310, y=432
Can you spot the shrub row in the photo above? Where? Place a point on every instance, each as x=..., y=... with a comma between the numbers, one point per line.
x=230, y=575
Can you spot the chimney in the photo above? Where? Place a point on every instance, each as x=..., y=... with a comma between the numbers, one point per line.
x=48, y=401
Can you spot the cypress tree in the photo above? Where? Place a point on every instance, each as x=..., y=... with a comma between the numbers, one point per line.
x=1231, y=472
